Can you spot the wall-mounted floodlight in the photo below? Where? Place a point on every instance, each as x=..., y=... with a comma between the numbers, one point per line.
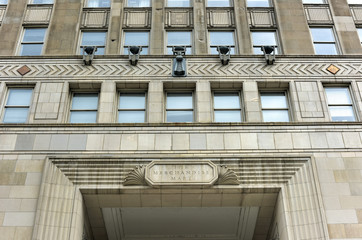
x=269, y=54
x=224, y=54
x=134, y=54
x=179, y=62
x=88, y=54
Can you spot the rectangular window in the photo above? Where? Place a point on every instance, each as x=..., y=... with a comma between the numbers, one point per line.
x=354, y=1
x=218, y=3
x=178, y=3
x=84, y=108
x=314, y=1
x=227, y=107
x=324, y=41
x=17, y=105
x=264, y=39
x=33, y=41
x=136, y=39
x=179, y=107
x=221, y=39
x=340, y=104
x=179, y=39
x=42, y=1
x=98, y=3
x=97, y=39
x=258, y=3
x=359, y=30
x=3, y=2
x=274, y=106
x=132, y=107
x=138, y=3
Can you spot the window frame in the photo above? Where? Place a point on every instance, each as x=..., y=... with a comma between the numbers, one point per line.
x=129, y=91
x=233, y=47
x=276, y=38
x=80, y=48
x=135, y=31
x=336, y=45
x=179, y=109
x=240, y=109
x=187, y=46
x=287, y=100
x=83, y=110
x=6, y=106
x=351, y=98
x=269, y=1
x=21, y=43
x=87, y=1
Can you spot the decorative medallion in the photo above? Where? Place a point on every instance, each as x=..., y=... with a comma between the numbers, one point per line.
x=333, y=69
x=24, y=70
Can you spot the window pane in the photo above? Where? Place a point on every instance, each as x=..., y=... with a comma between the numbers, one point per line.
x=264, y=38
x=178, y=3
x=325, y=49
x=136, y=39
x=354, y=1
x=275, y=116
x=222, y=39
x=131, y=116
x=42, y=1
x=342, y=113
x=19, y=97
x=226, y=100
x=227, y=116
x=178, y=38
x=98, y=3
x=258, y=3
x=313, y=1
x=132, y=101
x=138, y=3
x=34, y=34
x=94, y=39
x=15, y=115
x=218, y=3
x=179, y=101
x=3, y=1
x=83, y=117
x=360, y=34
x=31, y=49
x=338, y=96
x=322, y=34
x=83, y=101
x=179, y=116
x=273, y=100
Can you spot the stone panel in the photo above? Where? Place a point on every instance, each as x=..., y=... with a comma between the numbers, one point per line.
x=38, y=14
x=95, y=18
x=357, y=14
x=137, y=18
x=179, y=17
x=2, y=13
x=261, y=18
x=318, y=14
x=48, y=103
x=220, y=17
x=309, y=100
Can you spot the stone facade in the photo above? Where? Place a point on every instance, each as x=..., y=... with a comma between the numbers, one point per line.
x=300, y=179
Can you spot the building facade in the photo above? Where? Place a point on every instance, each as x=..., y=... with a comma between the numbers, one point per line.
x=246, y=146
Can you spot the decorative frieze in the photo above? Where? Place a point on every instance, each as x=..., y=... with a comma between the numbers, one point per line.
x=320, y=14
x=137, y=18
x=95, y=18
x=178, y=17
x=38, y=14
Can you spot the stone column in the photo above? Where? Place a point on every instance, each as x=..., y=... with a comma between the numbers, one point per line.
x=252, y=102
x=293, y=28
x=203, y=102
x=157, y=42
x=200, y=28
x=64, y=28
x=11, y=27
x=115, y=28
x=106, y=108
x=155, y=104
x=348, y=39
x=242, y=35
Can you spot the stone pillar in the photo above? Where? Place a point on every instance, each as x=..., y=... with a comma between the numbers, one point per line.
x=11, y=27
x=252, y=102
x=64, y=28
x=115, y=28
x=348, y=39
x=106, y=111
x=200, y=28
x=203, y=102
x=242, y=35
x=155, y=102
x=157, y=41
x=293, y=28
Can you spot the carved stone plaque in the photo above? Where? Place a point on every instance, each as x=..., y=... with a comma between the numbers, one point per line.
x=188, y=173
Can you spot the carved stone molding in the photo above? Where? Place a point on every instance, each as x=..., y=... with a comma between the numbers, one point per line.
x=263, y=17
x=220, y=17
x=95, y=18
x=227, y=176
x=136, y=177
x=179, y=17
x=137, y=18
x=38, y=14
x=318, y=14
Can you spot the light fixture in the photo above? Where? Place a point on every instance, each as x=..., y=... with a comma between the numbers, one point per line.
x=179, y=62
x=88, y=54
x=224, y=54
x=269, y=54
x=134, y=54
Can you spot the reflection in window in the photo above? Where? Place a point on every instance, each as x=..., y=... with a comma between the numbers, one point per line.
x=17, y=105
x=263, y=39
x=179, y=39
x=314, y=1
x=42, y=1
x=227, y=107
x=84, y=108
x=340, y=104
x=138, y=3
x=218, y=3
x=136, y=39
x=274, y=106
x=324, y=41
x=178, y=3
x=179, y=107
x=354, y=1
x=97, y=39
x=33, y=41
x=221, y=39
x=98, y=3
x=258, y=3
x=3, y=1
x=131, y=108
